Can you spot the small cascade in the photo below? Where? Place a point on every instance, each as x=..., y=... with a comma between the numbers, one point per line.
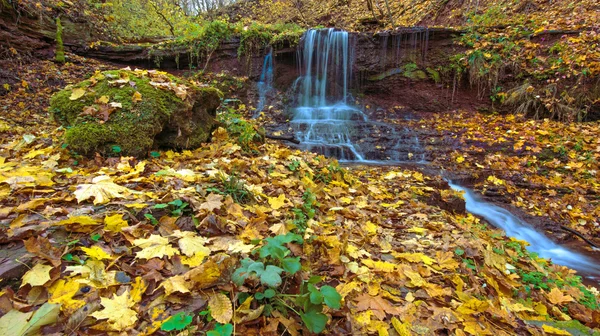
x=324, y=121
x=265, y=84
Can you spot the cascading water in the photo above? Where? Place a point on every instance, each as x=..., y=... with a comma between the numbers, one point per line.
x=538, y=242
x=324, y=121
x=265, y=84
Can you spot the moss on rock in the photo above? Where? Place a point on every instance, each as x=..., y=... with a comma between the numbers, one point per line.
x=135, y=111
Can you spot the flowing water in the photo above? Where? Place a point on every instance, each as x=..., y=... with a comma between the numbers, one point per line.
x=325, y=121
x=538, y=242
x=265, y=84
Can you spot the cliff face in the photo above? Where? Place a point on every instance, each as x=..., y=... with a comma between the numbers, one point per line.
x=33, y=34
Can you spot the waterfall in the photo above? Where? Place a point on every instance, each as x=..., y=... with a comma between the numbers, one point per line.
x=325, y=122
x=265, y=84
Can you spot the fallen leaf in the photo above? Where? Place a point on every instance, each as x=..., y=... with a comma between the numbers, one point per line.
x=557, y=297
x=213, y=201
x=154, y=247
x=38, y=275
x=115, y=223
x=96, y=252
x=24, y=324
x=102, y=191
x=77, y=93
x=118, y=312
x=277, y=202
x=220, y=307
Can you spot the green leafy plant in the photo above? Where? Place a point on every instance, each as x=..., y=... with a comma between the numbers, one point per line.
x=245, y=133
x=177, y=322
x=221, y=330
x=177, y=207
x=305, y=212
x=267, y=274
x=234, y=187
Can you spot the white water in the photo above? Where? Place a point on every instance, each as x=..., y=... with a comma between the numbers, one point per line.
x=538, y=242
x=265, y=84
x=324, y=121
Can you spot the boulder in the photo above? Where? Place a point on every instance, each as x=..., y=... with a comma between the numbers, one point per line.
x=124, y=112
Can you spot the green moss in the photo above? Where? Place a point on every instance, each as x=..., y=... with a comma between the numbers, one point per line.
x=60, y=49
x=574, y=327
x=160, y=118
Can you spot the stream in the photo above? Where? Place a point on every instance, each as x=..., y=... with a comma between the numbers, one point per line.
x=538, y=242
x=326, y=122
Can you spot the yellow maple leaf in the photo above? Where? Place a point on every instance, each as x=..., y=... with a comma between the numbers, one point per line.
x=62, y=292
x=101, y=189
x=557, y=297
x=96, y=252
x=176, y=283
x=115, y=223
x=137, y=290
x=118, y=312
x=460, y=159
x=38, y=275
x=77, y=93
x=221, y=308
x=277, y=202
x=80, y=220
x=191, y=244
x=102, y=100
x=154, y=247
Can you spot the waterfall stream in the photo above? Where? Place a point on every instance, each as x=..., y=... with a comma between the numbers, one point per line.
x=265, y=84
x=326, y=122
x=538, y=242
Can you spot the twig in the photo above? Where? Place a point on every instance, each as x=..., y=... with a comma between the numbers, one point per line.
x=579, y=235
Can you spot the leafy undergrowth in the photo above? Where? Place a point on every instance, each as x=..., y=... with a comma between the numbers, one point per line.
x=547, y=168
x=249, y=238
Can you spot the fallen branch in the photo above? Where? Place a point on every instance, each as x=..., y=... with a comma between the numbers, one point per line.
x=284, y=138
x=579, y=235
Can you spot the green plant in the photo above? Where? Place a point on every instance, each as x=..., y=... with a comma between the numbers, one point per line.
x=221, y=330
x=246, y=134
x=294, y=165
x=305, y=212
x=177, y=322
x=268, y=274
x=151, y=218
x=537, y=280
x=234, y=187
x=177, y=207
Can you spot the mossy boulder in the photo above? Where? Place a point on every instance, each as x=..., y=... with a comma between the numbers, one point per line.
x=123, y=112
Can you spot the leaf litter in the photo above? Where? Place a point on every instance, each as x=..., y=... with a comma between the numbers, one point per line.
x=151, y=246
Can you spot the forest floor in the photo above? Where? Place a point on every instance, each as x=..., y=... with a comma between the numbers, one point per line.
x=152, y=246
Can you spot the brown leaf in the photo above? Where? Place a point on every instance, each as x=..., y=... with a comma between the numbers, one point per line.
x=213, y=201
x=42, y=248
x=378, y=305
